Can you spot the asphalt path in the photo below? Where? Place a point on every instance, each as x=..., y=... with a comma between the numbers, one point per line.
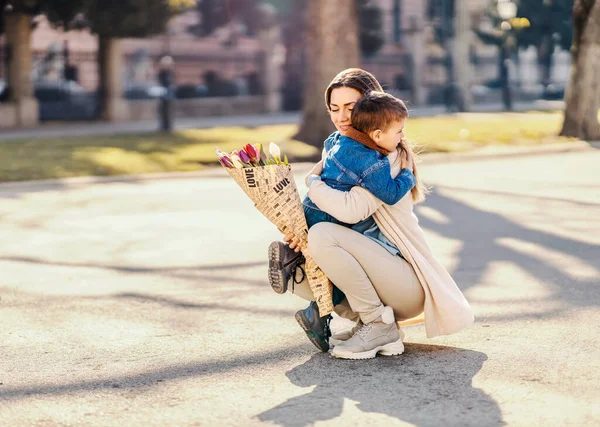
x=145, y=302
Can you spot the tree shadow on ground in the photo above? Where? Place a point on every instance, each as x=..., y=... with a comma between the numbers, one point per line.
x=172, y=302
x=482, y=234
x=426, y=383
x=191, y=273
x=150, y=378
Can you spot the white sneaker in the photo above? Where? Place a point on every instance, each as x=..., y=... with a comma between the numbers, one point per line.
x=344, y=335
x=381, y=336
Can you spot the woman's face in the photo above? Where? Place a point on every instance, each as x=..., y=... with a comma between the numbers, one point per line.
x=341, y=105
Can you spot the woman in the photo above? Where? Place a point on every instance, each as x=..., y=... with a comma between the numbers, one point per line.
x=381, y=284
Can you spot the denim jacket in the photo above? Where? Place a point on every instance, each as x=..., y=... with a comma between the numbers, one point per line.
x=349, y=163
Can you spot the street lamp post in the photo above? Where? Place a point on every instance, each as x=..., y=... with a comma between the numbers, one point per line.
x=166, y=80
x=507, y=10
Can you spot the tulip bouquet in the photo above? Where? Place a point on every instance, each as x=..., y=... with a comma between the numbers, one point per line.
x=251, y=156
x=269, y=183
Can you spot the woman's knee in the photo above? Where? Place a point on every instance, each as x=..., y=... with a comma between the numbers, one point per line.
x=320, y=236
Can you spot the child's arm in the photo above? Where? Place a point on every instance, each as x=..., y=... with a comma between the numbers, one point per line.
x=389, y=190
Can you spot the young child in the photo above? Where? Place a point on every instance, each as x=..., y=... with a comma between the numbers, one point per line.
x=361, y=156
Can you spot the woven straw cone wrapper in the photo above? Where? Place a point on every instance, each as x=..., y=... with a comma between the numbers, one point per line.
x=274, y=193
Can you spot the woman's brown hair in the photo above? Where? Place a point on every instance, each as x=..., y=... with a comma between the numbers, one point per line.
x=420, y=190
x=365, y=82
x=355, y=78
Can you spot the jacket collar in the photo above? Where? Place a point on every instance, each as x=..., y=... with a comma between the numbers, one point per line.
x=365, y=139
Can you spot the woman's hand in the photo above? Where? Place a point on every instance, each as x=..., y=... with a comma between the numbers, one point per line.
x=316, y=170
x=293, y=241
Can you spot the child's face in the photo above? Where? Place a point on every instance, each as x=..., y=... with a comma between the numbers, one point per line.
x=390, y=139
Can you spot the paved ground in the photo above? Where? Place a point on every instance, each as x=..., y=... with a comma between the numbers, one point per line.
x=61, y=129
x=145, y=303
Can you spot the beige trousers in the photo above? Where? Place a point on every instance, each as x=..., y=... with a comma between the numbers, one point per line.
x=369, y=275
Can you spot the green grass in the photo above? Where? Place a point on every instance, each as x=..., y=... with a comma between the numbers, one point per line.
x=194, y=149
x=468, y=131
x=186, y=150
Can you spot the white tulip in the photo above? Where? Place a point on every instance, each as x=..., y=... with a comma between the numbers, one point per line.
x=237, y=162
x=275, y=151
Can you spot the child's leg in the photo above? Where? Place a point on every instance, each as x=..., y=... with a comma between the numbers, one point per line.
x=315, y=216
x=302, y=289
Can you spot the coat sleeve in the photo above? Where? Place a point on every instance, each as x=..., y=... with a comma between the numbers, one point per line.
x=346, y=206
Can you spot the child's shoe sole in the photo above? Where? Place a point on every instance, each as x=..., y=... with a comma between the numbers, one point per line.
x=276, y=276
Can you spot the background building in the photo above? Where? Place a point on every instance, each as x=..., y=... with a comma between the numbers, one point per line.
x=412, y=62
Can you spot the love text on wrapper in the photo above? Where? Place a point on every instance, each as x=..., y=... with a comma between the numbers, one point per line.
x=281, y=185
x=250, y=178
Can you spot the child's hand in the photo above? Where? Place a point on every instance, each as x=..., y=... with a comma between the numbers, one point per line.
x=316, y=170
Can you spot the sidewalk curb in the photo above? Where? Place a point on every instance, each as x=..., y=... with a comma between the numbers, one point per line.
x=501, y=151
x=488, y=153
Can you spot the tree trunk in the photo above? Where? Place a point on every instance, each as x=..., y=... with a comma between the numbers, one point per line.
x=331, y=46
x=110, y=90
x=460, y=52
x=272, y=59
x=505, y=77
x=583, y=94
x=415, y=40
x=19, y=84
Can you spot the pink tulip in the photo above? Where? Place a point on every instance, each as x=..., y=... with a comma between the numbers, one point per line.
x=252, y=153
x=256, y=154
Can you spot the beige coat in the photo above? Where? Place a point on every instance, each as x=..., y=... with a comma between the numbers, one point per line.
x=446, y=310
